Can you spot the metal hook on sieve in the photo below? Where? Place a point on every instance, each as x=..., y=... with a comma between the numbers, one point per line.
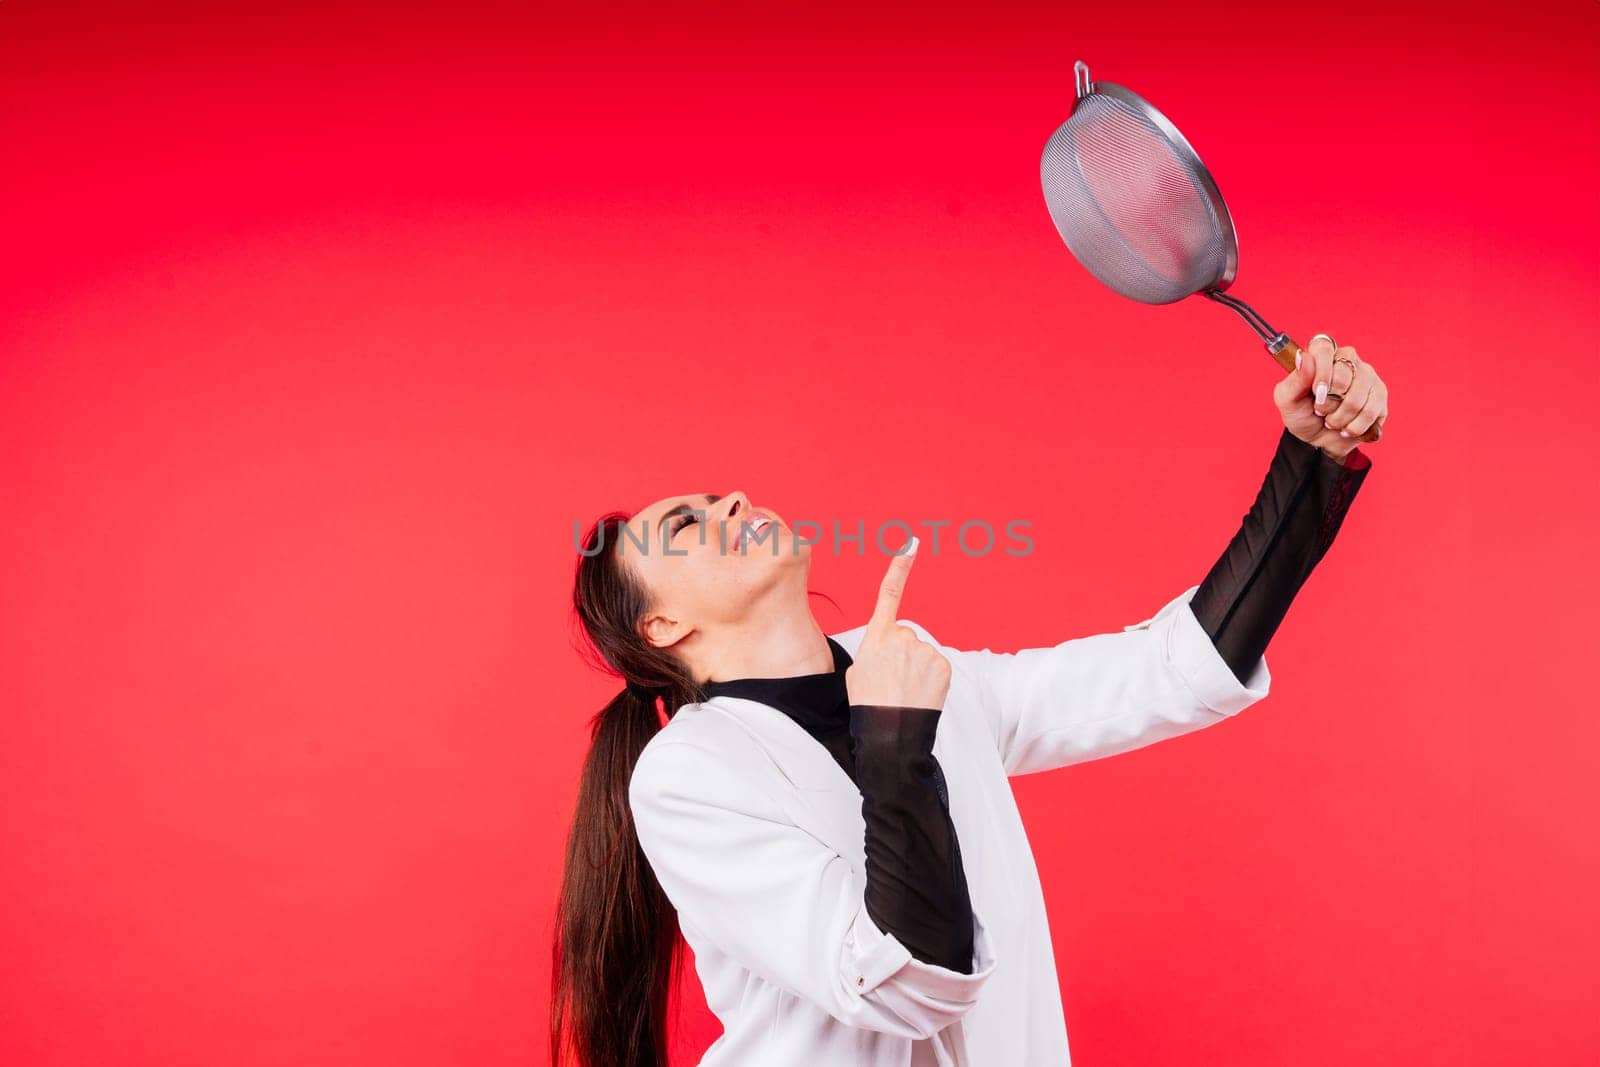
x=1080, y=79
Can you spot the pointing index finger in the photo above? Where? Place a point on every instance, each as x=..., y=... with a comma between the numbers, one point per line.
x=893, y=587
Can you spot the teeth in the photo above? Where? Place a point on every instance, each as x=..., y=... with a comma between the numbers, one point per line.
x=753, y=527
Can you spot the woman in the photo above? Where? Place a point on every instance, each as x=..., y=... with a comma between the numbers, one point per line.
x=827, y=819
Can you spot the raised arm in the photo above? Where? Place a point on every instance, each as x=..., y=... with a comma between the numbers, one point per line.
x=1314, y=477
x=1198, y=660
x=1098, y=695
x=916, y=884
x=1290, y=527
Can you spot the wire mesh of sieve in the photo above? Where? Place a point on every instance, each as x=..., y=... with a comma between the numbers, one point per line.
x=1133, y=202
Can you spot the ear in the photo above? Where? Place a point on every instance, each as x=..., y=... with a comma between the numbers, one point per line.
x=663, y=631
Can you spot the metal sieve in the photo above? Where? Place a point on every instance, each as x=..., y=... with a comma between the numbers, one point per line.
x=1139, y=210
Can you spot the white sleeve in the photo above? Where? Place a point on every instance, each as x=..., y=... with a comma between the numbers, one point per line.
x=782, y=903
x=1102, y=694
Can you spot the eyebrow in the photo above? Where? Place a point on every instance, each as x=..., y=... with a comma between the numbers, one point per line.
x=685, y=508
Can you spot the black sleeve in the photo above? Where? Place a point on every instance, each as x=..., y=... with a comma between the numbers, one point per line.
x=916, y=887
x=1301, y=504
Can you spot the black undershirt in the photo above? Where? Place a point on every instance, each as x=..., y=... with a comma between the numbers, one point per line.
x=916, y=888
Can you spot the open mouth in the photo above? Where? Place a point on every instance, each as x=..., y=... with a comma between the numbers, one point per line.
x=748, y=529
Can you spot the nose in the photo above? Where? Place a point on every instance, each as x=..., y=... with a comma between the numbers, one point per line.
x=738, y=505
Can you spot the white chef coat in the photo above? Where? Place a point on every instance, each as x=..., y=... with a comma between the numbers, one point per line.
x=756, y=835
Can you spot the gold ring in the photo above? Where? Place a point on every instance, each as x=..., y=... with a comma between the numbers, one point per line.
x=1329, y=336
x=1332, y=393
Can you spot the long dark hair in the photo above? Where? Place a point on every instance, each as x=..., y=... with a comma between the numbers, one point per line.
x=617, y=947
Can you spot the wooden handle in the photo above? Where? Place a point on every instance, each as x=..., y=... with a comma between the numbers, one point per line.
x=1285, y=357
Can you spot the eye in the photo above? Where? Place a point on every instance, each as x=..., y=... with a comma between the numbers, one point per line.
x=682, y=522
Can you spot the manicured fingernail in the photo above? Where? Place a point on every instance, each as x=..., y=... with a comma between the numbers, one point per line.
x=913, y=549
x=1297, y=355
x=1322, y=392
x=1344, y=433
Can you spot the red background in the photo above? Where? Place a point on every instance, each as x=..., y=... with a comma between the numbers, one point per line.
x=322, y=324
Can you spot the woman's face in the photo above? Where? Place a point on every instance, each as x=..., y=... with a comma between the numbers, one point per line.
x=722, y=563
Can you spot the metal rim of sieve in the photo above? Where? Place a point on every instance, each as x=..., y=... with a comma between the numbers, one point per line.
x=1183, y=151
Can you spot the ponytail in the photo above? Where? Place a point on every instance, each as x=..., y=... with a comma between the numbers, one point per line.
x=617, y=946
